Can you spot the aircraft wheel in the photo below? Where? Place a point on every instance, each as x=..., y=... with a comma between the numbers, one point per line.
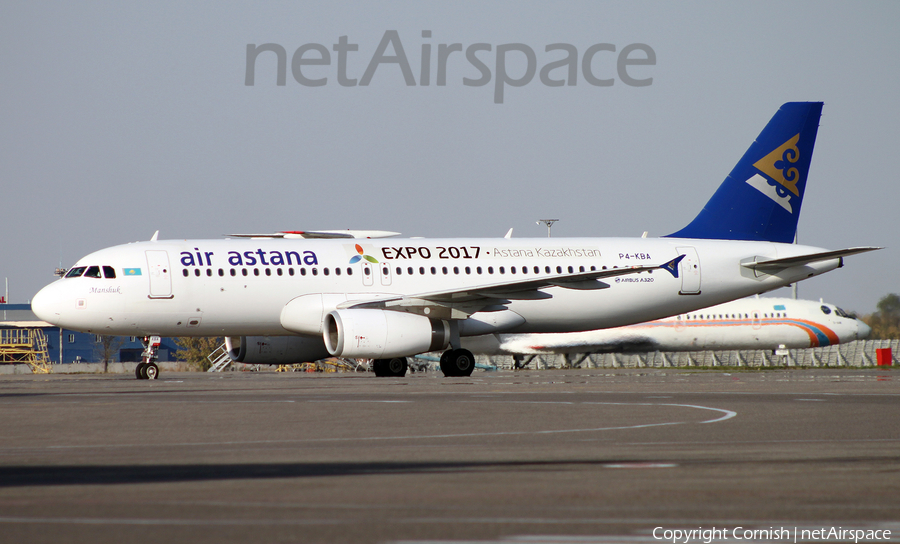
x=397, y=367
x=457, y=362
x=446, y=368
x=379, y=367
x=151, y=371
x=139, y=371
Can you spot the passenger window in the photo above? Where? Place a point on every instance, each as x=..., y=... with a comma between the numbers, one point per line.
x=268, y=271
x=221, y=272
x=197, y=272
x=185, y=272
x=109, y=273
x=76, y=272
x=337, y=271
x=92, y=272
x=349, y=271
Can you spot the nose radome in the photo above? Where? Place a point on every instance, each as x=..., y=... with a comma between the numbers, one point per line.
x=46, y=306
x=863, y=330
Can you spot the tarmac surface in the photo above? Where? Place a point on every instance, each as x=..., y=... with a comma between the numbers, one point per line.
x=512, y=457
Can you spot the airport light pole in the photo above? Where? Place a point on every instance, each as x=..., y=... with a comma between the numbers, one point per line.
x=549, y=223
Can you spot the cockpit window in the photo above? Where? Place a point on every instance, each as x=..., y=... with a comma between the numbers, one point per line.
x=109, y=272
x=842, y=313
x=92, y=272
x=826, y=310
x=76, y=272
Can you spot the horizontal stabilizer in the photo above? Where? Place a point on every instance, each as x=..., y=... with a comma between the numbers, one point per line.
x=787, y=262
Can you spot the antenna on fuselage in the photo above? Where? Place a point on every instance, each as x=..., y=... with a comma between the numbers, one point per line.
x=155, y=236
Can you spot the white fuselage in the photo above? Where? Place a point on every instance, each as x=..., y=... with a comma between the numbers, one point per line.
x=749, y=323
x=239, y=287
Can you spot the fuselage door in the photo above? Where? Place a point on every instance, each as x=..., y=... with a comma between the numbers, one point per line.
x=160, y=274
x=689, y=270
x=385, y=274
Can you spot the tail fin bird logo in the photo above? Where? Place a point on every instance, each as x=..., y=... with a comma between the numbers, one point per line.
x=362, y=255
x=780, y=167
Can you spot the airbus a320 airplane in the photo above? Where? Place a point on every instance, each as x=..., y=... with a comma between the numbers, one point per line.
x=387, y=299
x=748, y=323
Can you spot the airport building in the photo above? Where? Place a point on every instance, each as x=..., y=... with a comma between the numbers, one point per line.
x=26, y=339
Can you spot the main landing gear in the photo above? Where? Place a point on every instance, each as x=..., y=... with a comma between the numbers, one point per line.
x=454, y=363
x=395, y=367
x=457, y=363
x=147, y=369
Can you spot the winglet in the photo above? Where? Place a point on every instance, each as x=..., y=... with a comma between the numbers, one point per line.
x=672, y=266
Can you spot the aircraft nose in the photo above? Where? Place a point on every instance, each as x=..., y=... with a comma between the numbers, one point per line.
x=45, y=305
x=862, y=330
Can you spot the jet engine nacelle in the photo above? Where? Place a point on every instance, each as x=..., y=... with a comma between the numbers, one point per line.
x=275, y=350
x=381, y=334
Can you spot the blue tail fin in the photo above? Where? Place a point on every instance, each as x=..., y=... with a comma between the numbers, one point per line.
x=760, y=199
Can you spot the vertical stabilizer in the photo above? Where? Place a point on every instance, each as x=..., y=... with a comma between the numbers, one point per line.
x=761, y=198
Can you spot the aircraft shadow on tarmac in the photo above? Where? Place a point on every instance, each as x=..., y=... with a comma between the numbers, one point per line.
x=26, y=476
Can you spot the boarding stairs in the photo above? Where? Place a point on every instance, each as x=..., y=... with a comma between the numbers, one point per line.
x=219, y=359
x=28, y=346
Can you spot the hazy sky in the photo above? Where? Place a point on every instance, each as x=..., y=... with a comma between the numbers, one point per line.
x=121, y=118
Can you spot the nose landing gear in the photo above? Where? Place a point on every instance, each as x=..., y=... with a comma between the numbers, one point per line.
x=147, y=369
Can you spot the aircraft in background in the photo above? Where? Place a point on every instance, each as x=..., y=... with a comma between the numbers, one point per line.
x=748, y=323
x=393, y=298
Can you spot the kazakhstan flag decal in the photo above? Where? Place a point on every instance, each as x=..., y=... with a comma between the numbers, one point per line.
x=132, y=271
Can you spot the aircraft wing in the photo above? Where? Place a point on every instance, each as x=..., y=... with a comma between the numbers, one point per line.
x=321, y=234
x=461, y=303
x=787, y=262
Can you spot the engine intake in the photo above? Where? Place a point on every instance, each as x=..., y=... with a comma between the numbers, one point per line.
x=381, y=334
